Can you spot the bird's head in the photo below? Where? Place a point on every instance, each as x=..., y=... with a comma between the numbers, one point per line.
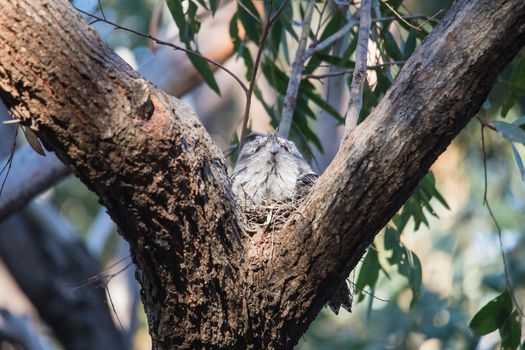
x=271, y=149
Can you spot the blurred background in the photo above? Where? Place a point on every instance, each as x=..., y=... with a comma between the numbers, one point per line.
x=460, y=254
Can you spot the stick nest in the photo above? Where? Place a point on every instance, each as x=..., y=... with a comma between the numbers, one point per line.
x=268, y=216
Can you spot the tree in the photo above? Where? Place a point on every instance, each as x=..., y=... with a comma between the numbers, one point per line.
x=165, y=184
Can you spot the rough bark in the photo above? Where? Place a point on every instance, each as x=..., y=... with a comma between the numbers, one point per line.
x=148, y=158
x=49, y=266
x=165, y=185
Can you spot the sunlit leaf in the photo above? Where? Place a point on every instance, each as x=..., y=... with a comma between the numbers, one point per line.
x=510, y=132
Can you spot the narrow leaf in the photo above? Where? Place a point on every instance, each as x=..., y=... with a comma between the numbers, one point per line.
x=202, y=66
x=519, y=162
x=510, y=132
x=510, y=332
x=33, y=141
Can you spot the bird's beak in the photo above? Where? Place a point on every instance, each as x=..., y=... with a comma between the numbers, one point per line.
x=274, y=147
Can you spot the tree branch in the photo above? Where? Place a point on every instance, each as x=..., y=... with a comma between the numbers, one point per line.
x=290, y=98
x=331, y=39
x=46, y=260
x=348, y=71
x=358, y=82
x=31, y=175
x=40, y=173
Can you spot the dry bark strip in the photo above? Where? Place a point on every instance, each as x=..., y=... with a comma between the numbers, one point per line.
x=164, y=182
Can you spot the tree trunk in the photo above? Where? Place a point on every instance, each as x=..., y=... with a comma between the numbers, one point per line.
x=165, y=184
x=49, y=267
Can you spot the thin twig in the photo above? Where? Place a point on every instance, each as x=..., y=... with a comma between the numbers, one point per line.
x=113, y=308
x=493, y=217
x=248, y=11
x=270, y=19
x=404, y=18
x=290, y=99
x=167, y=43
x=9, y=162
x=358, y=82
x=331, y=39
x=101, y=10
x=433, y=18
x=349, y=71
x=399, y=16
x=321, y=14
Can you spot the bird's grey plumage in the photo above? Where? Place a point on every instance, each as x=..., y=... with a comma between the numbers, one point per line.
x=267, y=170
x=271, y=169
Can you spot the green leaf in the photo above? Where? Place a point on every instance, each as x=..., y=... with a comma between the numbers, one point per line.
x=309, y=91
x=410, y=44
x=214, y=5
x=187, y=23
x=493, y=315
x=415, y=278
x=369, y=273
x=391, y=238
x=336, y=61
x=202, y=66
x=203, y=4
x=250, y=19
x=510, y=332
x=516, y=87
x=240, y=46
x=390, y=45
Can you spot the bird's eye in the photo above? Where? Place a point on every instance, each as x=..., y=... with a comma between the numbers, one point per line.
x=286, y=147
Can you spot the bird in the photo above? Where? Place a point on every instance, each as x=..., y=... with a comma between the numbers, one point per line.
x=270, y=169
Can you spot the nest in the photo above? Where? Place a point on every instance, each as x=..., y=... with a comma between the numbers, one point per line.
x=268, y=216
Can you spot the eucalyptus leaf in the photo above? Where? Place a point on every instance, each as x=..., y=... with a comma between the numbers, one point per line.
x=519, y=162
x=493, y=315
x=368, y=274
x=510, y=332
x=510, y=132
x=202, y=66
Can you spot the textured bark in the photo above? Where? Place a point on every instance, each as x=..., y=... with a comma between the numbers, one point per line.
x=148, y=158
x=48, y=265
x=165, y=184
